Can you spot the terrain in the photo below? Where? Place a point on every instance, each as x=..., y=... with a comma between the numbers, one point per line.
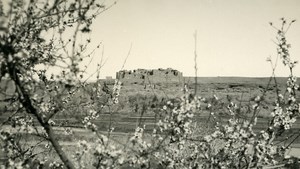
x=140, y=103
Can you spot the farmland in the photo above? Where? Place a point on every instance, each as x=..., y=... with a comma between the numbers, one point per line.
x=139, y=105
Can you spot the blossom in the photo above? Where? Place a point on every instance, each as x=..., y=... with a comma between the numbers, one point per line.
x=51, y=122
x=116, y=91
x=208, y=138
x=84, y=145
x=165, y=107
x=265, y=135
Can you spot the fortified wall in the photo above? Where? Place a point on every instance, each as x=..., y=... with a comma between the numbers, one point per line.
x=150, y=76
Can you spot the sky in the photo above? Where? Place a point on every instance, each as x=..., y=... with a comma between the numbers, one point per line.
x=234, y=37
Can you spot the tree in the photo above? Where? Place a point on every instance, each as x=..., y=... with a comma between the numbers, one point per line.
x=33, y=43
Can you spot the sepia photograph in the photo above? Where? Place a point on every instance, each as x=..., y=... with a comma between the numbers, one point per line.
x=149, y=84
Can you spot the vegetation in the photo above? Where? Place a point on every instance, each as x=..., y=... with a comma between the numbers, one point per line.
x=33, y=43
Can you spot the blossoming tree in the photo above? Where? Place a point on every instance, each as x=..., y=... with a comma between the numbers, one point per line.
x=33, y=43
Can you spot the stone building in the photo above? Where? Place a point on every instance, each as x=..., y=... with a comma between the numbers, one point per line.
x=150, y=76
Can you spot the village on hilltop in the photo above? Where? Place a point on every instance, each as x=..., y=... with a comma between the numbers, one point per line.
x=153, y=75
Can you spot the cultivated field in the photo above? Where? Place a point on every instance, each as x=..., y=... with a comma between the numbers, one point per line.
x=139, y=105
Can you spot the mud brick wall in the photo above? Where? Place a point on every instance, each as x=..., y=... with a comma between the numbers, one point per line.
x=150, y=76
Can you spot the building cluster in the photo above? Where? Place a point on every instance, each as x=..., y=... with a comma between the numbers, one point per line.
x=150, y=76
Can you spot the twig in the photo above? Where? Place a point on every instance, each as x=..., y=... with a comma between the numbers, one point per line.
x=126, y=57
x=195, y=60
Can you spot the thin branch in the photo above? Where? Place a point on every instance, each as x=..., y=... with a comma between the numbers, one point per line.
x=195, y=60
x=126, y=57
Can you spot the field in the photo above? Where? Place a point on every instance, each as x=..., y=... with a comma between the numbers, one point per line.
x=133, y=97
x=130, y=112
x=139, y=104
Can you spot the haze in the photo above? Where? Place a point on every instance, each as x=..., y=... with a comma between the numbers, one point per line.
x=234, y=36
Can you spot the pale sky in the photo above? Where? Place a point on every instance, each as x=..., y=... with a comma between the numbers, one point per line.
x=234, y=36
